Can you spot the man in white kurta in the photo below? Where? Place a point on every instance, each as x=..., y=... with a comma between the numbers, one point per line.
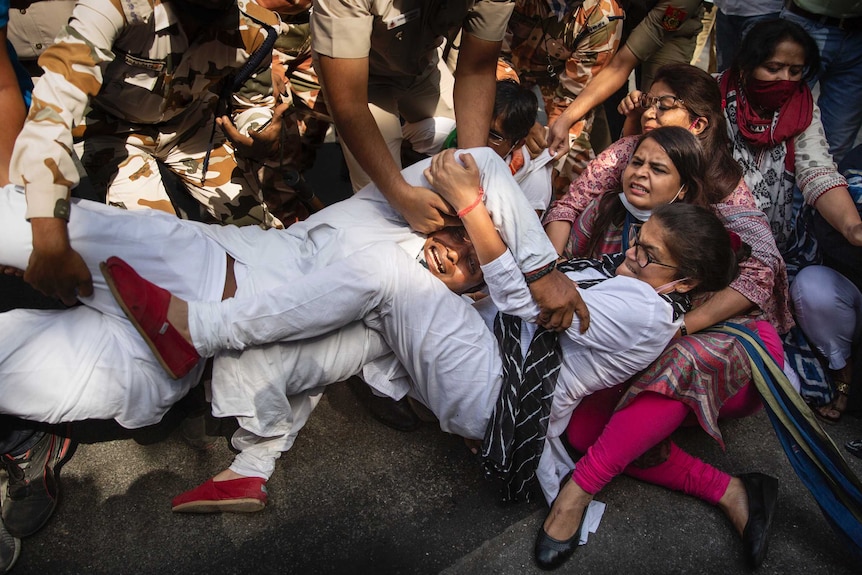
x=108, y=372
x=444, y=352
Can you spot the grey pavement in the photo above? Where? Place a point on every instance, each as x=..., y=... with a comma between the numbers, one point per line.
x=353, y=496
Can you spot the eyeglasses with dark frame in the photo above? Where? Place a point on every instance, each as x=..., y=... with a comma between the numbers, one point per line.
x=662, y=103
x=495, y=138
x=642, y=256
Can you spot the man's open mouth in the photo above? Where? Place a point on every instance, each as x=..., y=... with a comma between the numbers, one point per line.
x=435, y=256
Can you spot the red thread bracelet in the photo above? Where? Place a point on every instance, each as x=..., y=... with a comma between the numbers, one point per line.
x=469, y=208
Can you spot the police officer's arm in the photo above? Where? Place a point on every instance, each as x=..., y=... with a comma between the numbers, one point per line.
x=605, y=83
x=345, y=82
x=258, y=110
x=475, y=89
x=42, y=157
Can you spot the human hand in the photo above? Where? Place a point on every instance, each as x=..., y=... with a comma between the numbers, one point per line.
x=631, y=104
x=558, y=137
x=537, y=140
x=559, y=300
x=456, y=181
x=476, y=295
x=259, y=144
x=55, y=269
x=423, y=209
x=11, y=271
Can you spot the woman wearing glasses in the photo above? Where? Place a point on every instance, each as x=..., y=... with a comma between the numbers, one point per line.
x=705, y=374
x=444, y=348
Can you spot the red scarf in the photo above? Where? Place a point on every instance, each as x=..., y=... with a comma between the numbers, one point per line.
x=786, y=123
x=517, y=161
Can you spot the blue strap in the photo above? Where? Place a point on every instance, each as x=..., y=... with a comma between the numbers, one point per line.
x=814, y=456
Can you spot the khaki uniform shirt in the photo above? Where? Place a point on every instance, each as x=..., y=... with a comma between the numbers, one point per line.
x=667, y=20
x=400, y=38
x=32, y=29
x=123, y=66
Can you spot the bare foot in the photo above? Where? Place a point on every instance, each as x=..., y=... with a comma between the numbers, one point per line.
x=178, y=316
x=227, y=475
x=830, y=412
x=567, y=511
x=734, y=504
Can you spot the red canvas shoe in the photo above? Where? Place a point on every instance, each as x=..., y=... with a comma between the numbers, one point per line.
x=243, y=495
x=146, y=306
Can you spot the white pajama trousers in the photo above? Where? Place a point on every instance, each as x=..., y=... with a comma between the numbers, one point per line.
x=829, y=310
x=88, y=361
x=309, y=365
x=443, y=344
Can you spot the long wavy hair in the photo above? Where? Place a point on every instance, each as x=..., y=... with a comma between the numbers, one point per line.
x=702, y=98
x=686, y=154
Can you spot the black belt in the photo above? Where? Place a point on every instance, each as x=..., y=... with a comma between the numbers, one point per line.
x=848, y=24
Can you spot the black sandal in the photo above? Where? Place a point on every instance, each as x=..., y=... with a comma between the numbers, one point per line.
x=854, y=446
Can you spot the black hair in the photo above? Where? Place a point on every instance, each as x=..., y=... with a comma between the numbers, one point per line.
x=686, y=154
x=701, y=97
x=760, y=42
x=518, y=107
x=700, y=245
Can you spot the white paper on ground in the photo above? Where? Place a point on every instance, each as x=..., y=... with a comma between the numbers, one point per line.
x=595, y=510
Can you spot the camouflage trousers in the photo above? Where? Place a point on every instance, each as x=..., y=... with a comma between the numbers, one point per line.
x=123, y=170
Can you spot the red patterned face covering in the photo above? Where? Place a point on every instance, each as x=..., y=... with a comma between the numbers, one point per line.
x=790, y=108
x=770, y=95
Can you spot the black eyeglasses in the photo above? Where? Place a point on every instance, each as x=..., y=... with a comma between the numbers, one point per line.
x=662, y=103
x=642, y=256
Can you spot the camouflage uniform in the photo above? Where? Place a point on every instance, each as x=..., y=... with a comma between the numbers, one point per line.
x=124, y=85
x=560, y=52
x=307, y=121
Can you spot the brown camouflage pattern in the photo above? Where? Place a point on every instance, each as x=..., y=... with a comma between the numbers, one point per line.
x=149, y=94
x=575, y=48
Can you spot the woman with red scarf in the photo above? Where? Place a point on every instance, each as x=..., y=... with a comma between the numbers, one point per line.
x=778, y=140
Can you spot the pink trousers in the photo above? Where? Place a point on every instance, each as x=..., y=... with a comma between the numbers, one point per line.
x=612, y=440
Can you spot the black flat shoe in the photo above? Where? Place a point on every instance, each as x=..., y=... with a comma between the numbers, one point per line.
x=550, y=553
x=762, y=493
x=855, y=447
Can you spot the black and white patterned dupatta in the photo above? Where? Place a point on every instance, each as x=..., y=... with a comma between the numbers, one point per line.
x=515, y=436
